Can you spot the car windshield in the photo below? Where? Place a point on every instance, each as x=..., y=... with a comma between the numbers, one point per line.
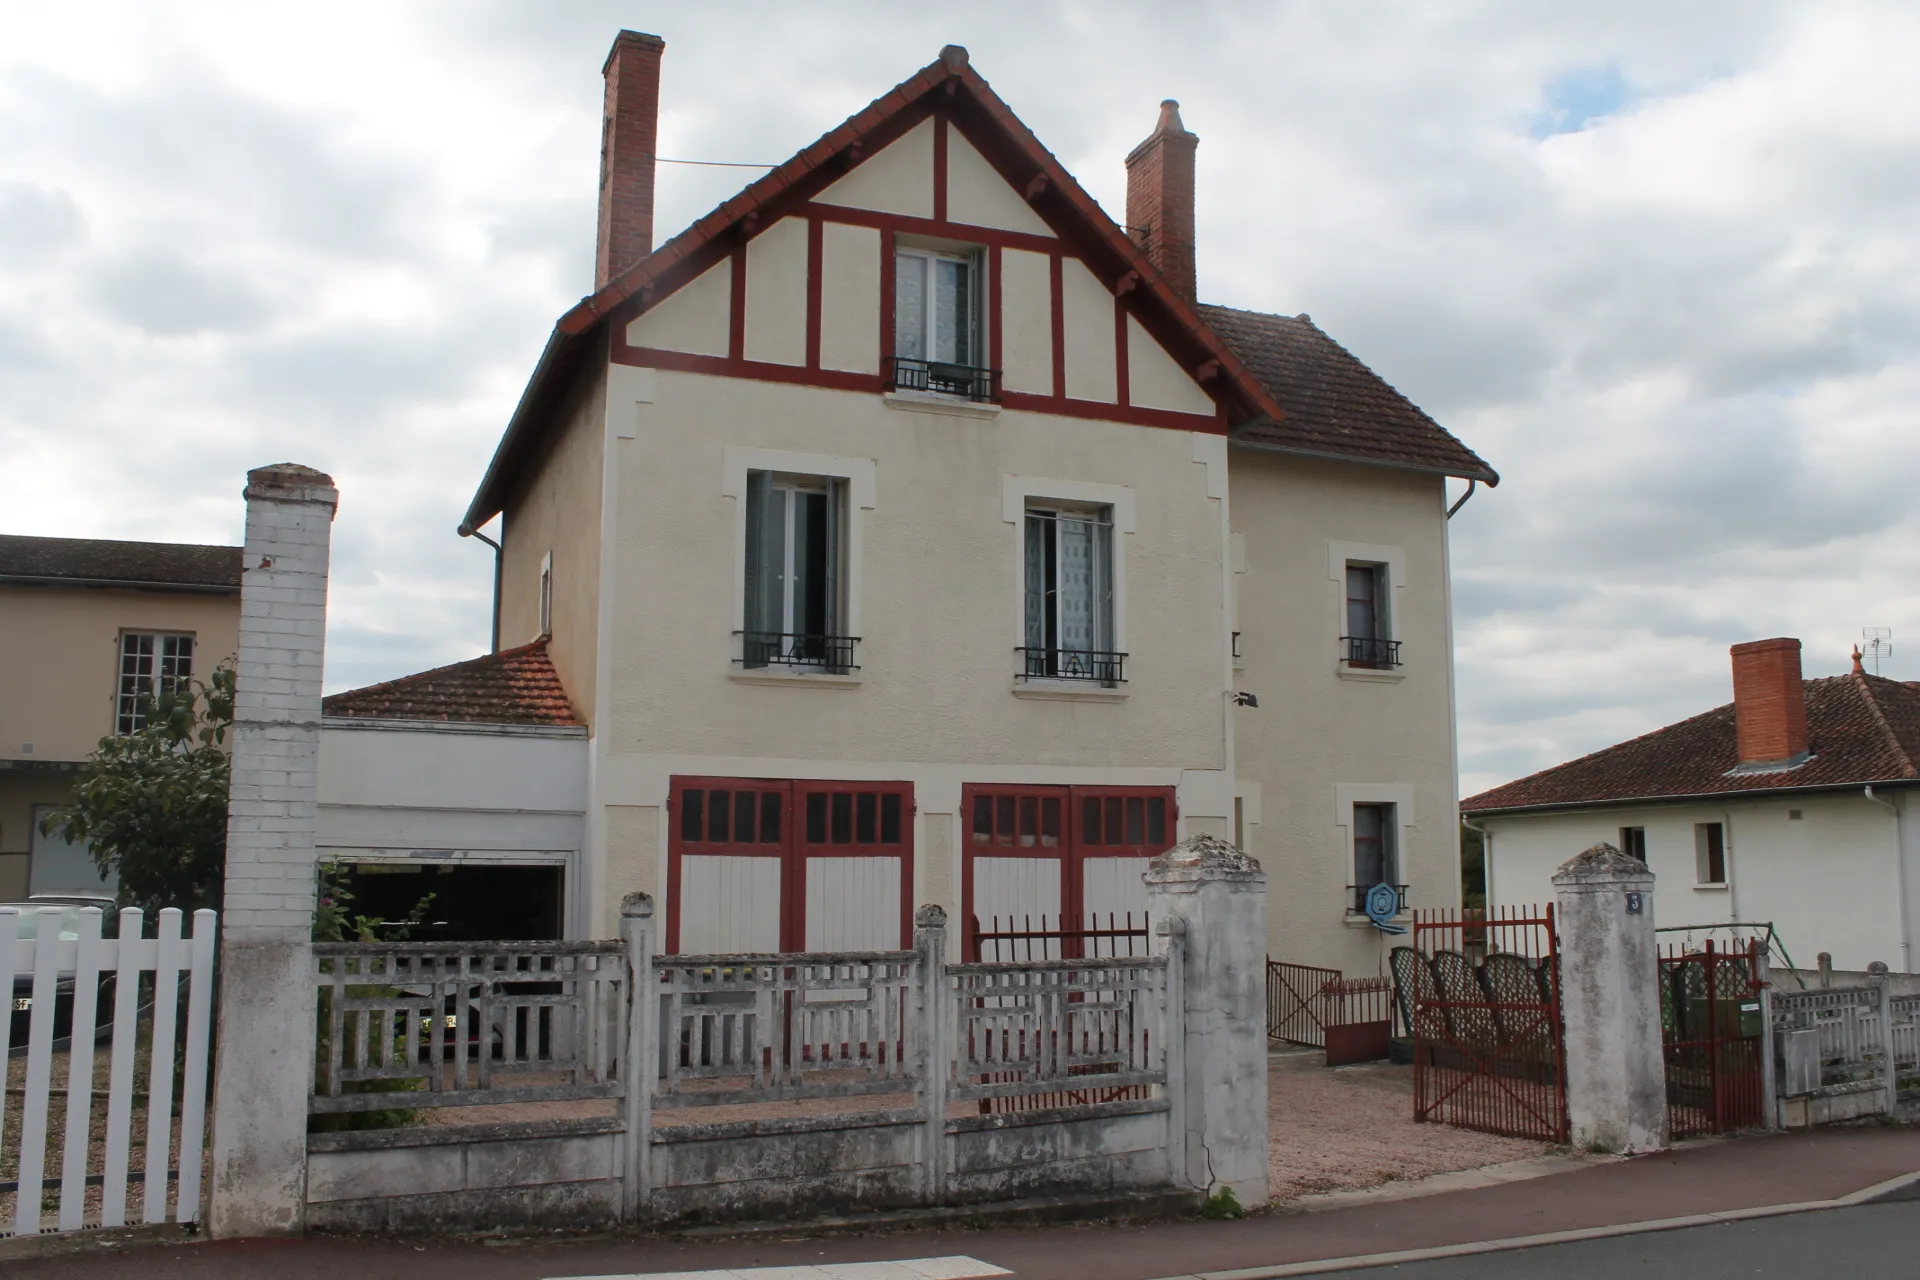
x=66, y=920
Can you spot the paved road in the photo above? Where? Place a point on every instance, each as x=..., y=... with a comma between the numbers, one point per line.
x=1866, y=1243
x=1697, y=1178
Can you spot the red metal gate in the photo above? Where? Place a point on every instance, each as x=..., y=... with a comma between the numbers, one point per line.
x=1351, y=1018
x=1482, y=995
x=1713, y=1039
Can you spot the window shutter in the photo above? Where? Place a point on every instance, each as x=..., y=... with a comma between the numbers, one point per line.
x=759, y=490
x=1036, y=582
x=836, y=504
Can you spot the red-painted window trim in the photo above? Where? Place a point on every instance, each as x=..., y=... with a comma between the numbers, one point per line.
x=1074, y=846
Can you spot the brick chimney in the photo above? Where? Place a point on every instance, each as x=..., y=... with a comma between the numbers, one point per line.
x=628, y=127
x=1769, y=702
x=1160, y=198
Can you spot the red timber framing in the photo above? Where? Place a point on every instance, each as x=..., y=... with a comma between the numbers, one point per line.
x=1121, y=277
x=793, y=823
x=951, y=92
x=1070, y=825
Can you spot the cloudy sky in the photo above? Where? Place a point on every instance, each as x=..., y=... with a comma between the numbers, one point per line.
x=1657, y=263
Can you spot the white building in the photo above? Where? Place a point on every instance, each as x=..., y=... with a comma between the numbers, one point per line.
x=1793, y=805
x=905, y=531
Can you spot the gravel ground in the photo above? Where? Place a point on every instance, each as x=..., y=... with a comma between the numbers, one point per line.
x=1352, y=1127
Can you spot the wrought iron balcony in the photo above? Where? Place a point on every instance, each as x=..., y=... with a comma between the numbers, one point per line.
x=1364, y=651
x=940, y=378
x=1097, y=666
x=759, y=649
x=1357, y=898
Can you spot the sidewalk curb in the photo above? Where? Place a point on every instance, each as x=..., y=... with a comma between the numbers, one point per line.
x=1904, y=1187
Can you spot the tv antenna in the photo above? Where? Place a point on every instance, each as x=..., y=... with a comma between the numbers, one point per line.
x=1879, y=644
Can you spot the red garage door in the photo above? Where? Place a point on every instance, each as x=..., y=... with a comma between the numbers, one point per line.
x=1060, y=858
x=759, y=865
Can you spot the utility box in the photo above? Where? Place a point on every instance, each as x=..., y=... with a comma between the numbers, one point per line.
x=1799, y=1062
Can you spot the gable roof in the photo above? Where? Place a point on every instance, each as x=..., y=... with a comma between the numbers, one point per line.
x=1860, y=729
x=986, y=120
x=513, y=686
x=102, y=562
x=1335, y=406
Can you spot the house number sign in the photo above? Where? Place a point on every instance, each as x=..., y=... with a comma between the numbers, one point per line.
x=1633, y=902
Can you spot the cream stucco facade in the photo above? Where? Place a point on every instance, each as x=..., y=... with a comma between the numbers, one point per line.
x=637, y=507
x=60, y=648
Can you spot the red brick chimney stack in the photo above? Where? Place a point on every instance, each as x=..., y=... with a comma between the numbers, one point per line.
x=1769, y=702
x=1160, y=198
x=628, y=129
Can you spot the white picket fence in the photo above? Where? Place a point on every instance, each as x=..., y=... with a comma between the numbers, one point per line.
x=66, y=949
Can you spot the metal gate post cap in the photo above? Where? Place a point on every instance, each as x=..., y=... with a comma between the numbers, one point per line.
x=930, y=916
x=637, y=904
x=1601, y=862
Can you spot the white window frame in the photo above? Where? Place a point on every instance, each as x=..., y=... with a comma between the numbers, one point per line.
x=860, y=476
x=1400, y=796
x=976, y=308
x=546, y=596
x=1701, y=856
x=126, y=704
x=1393, y=563
x=1097, y=516
x=1017, y=494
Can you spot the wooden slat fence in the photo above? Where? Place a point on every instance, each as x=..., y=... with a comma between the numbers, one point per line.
x=137, y=996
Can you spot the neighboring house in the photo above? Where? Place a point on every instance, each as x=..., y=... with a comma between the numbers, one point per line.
x=1795, y=804
x=87, y=627
x=905, y=531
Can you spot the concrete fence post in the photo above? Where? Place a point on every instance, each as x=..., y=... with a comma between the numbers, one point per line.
x=937, y=1015
x=640, y=1068
x=1889, y=1073
x=1218, y=897
x=1610, y=1002
x=264, y=1065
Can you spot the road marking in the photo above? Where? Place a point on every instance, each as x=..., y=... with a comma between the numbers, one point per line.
x=953, y=1267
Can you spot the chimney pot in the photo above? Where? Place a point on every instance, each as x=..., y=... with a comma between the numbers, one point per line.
x=1160, y=198
x=1769, y=702
x=629, y=129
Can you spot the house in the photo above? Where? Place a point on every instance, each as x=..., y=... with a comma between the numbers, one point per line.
x=907, y=531
x=87, y=628
x=1795, y=805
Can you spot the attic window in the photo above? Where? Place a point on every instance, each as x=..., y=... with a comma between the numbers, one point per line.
x=936, y=324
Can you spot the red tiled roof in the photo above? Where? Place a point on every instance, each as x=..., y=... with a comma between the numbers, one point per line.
x=1860, y=729
x=514, y=686
x=1335, y=406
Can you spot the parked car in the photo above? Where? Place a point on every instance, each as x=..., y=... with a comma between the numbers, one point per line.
x=67, y=925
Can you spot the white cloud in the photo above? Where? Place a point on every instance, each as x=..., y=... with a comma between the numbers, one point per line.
x=1654, y=262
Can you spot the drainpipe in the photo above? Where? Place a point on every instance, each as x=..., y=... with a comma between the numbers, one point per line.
x=1899, y=871
x=468, y=532
x=1472, y=484
x=1486, y=851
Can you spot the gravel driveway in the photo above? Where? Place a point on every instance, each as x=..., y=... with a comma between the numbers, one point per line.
x=1347, y=1128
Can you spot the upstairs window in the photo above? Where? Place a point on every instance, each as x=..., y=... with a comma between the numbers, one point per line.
x=1633, y=842
x=1710, y=853
x=150, y=663
x=1069, y=596
x=936, y=324
x=1376, y=857
x=794, y=573
x=1369, y=640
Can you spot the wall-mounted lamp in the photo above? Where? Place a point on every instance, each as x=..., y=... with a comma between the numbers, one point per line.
x=1245, y=700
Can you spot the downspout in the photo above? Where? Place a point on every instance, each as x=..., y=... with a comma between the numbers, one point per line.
x=467, y=532
x=1486, y=857
x=1899, y=871
x=1472, y=484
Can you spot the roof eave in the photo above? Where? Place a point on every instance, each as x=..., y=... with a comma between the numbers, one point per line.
x=1485, y=475
x=120, y=584
x=1694, y=797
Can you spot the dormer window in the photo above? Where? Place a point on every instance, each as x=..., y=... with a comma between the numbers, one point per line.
x=936, y=324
